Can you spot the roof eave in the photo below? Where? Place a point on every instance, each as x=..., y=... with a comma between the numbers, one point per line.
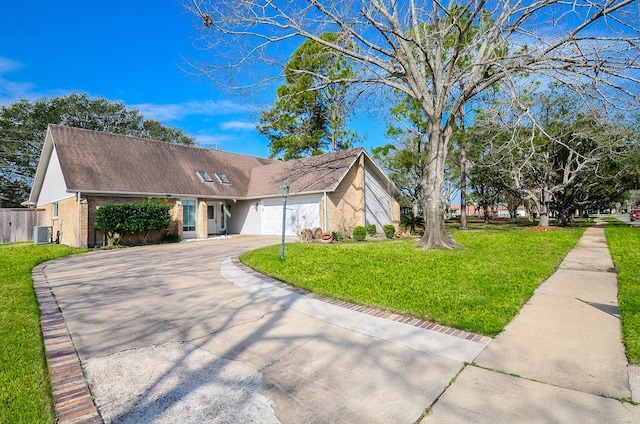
x=43, y=164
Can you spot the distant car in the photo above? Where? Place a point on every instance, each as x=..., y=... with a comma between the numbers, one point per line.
x=635, y=214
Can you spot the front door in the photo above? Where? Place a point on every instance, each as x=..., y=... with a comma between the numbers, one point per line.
x=212, y=220
x=216, y=218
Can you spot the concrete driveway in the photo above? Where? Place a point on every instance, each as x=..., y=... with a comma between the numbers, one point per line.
x=163, y=337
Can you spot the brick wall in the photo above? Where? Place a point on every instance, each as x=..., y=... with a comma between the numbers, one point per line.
x=396, y=214
x=65, y=225
x=201, y=218
x=345, y=206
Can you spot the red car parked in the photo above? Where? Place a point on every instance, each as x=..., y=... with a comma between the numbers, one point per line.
x=635, y=214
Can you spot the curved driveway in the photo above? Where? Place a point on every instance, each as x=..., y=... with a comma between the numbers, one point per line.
x=163, y=337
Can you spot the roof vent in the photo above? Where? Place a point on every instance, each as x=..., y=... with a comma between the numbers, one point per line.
x=222, y=178
x=204, y=176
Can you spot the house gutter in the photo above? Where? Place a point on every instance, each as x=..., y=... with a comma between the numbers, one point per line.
x=194, y=195
x=191, y=196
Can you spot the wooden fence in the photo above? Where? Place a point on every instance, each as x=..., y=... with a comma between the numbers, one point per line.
x=17, y=224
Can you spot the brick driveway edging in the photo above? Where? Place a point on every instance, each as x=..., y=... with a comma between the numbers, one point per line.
x=71, y=396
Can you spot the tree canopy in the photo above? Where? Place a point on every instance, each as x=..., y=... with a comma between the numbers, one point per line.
x=23, y=125
x=310, y=114
x=553, y=150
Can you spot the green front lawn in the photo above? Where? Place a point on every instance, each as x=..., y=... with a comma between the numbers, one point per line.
x=479, y=288
x=25, y=392
x=624, y=245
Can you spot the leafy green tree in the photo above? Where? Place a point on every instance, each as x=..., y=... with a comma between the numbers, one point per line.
x=23, y=125
x=406, y=159
x=310, y=113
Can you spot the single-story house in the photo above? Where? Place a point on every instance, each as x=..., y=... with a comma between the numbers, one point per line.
x=212, y=192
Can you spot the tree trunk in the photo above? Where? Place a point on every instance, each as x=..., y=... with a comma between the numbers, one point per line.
x=463, y=173
x=435, y=235
x=544, y=218
x=463, y=186
x=544, y=208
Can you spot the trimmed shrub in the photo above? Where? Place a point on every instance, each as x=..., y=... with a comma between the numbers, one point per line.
x=141, y=218
x=359, y=233
x=372, y=230
x=389, y=230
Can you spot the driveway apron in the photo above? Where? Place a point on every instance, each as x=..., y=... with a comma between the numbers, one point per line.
x=163, y=337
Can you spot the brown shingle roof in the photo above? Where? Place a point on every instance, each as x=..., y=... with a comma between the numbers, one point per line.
x=94, y=161
x=100, y=162
x=312, y=174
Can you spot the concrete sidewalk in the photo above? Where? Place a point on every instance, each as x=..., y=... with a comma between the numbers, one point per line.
x=561, y=360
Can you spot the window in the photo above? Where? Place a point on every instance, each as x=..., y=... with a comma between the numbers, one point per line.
x=204, y=176
x=54, y=210
x=222, y=178
x=188, y=215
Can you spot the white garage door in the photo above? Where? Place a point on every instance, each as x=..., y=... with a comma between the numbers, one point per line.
x=302, y=212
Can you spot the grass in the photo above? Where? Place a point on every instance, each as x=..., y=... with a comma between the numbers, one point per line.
x=479, y=288
x=624, y=245
x=25, y=392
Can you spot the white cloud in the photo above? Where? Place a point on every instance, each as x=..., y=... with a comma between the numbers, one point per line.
x=238, y=125
x=8, y=65
x=179, y=111
x=10, y=91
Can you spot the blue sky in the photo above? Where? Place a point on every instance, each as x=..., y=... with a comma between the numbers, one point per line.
x=131, y=51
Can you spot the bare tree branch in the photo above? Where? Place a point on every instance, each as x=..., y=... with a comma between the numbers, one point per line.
x=441, y=55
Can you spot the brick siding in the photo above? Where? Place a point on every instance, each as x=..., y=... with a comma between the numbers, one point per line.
x=345, y=208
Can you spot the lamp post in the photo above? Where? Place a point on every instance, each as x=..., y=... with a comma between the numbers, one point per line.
x=285, y=194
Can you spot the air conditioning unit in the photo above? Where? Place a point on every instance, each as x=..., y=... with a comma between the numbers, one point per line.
x=42, y=235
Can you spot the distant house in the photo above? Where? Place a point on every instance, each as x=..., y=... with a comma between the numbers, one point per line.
x=500, y=211
x=212, y=192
